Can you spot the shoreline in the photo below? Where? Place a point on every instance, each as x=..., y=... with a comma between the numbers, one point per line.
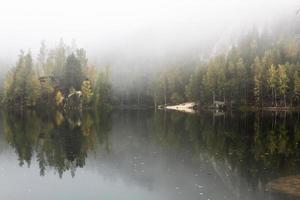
x=192, y=107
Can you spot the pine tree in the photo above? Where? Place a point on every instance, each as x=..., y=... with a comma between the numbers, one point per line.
x=211, y=80
x=81, y=55
x=282, y=82
x=272, y=82
x=33, y=89
x=9, y=86
x=242, y=80
x=59, y=58
x=103, y=89
x=258, y=81
x=22, y=87
x=73, y=75
x=41, y=67
x=163, y=87
x=297, y=87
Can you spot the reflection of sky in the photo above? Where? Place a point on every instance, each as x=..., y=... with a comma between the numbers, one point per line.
x=25, y=183
x=135, y=169
x=106, y=178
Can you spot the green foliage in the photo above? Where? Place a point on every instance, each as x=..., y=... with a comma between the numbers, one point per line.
x=103, y=89
x=273, y=82
x=56, y=141
x=22, y=88
x=282, y=81
x=59, y=98
x=81, y=56
x=57, y=73
x=257, y=71
x=194, y=89
x=73, y=75
x=258, y=82
x=296, y=87
x=87, y=92
x=58, y=57
x=176, y=98
x=261, y=69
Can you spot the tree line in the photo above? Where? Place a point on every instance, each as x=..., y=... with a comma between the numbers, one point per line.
x=55, y=75
x=260, y=70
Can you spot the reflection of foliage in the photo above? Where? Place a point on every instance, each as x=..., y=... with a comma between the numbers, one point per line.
x=59, y=142
x=169, y=135
x=22, y=142
x=103, y=127
x=260, y=146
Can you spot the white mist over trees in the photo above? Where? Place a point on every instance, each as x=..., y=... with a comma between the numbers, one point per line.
x=150, y=50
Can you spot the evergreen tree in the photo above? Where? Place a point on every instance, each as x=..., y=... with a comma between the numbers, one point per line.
x=22, y=87
x=81, y=56
x=297, y=87
x=73, y=75
x=103, y=89
x=59, y=56
x=272, y=83
x=258, y=82
x=282, y=82
x=41, y=68
x=163, y=87
x=242, y=80
x=211, y=80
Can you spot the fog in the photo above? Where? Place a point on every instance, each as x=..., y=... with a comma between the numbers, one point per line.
x=132, y=29
x=82, y=77
x=136, y=36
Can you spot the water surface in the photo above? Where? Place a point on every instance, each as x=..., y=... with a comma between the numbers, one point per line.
x=146, y=155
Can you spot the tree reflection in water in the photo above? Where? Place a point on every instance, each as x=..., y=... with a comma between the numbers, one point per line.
x=259, y=147
x=253, y=147
x=57, y=141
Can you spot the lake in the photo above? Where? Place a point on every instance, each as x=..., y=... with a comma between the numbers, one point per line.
x=147, y=155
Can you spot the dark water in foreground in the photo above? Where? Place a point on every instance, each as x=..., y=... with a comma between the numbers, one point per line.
x=146, y=155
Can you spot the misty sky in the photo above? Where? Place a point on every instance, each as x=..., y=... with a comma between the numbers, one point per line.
x=129, y=26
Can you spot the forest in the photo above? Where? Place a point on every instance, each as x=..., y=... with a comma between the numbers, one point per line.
x=57, y=79
x=259, y=70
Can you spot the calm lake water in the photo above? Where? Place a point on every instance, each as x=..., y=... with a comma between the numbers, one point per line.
x=146, y=155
